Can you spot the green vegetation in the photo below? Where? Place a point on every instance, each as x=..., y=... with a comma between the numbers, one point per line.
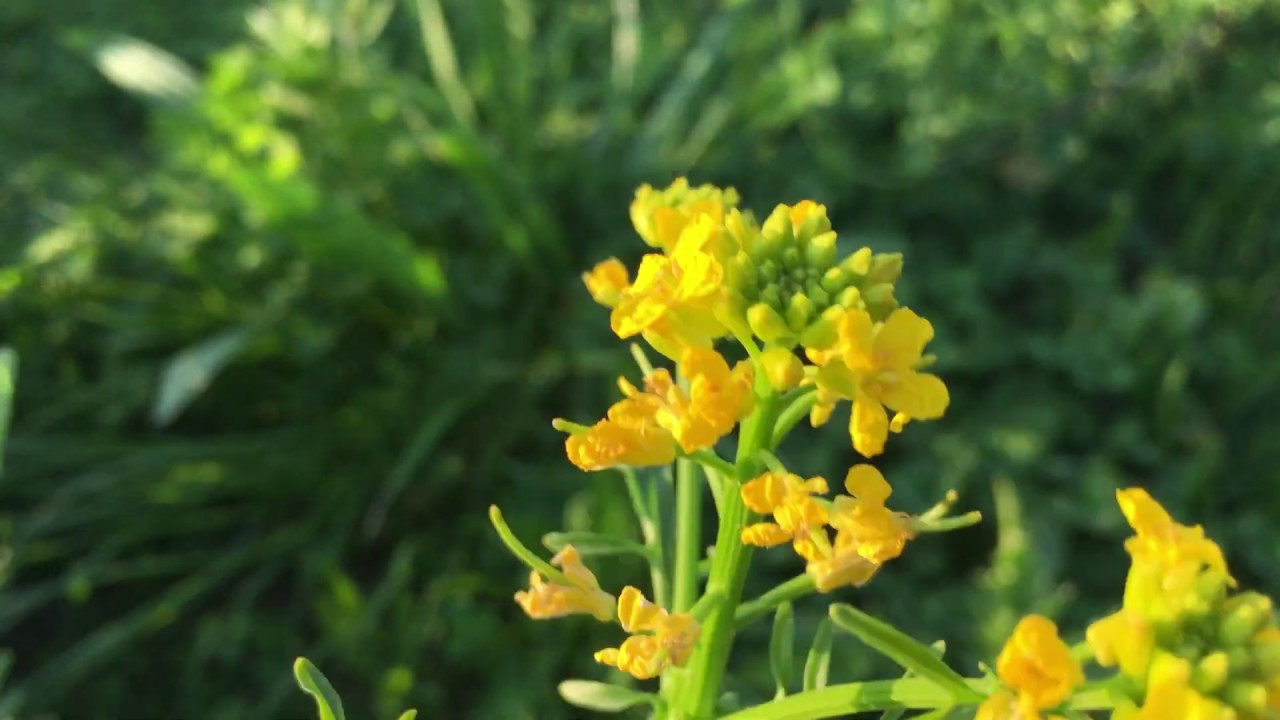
x=295, y=300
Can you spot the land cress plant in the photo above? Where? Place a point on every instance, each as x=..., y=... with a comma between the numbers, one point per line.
x=814, y=330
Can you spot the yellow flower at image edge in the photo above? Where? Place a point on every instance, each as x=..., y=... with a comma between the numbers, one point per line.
x=875, y=366
x=607, y=281
x=1037, y=668
x=659, y=639
x=545, y=600
x=659, y=216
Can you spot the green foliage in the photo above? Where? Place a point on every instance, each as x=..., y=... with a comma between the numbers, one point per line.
x=287, y=332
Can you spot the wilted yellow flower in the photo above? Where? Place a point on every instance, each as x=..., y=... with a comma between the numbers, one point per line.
x=1036, y=665
x=1124, y=638
x=716, y=399
x=607, y=281
x=674, y=299
x=1168, y=560
x=659, y=216
x=629, y=435
x=868, y=534
x=658, y=639
x=546, y=600
x=797, y=516
x=874, y=365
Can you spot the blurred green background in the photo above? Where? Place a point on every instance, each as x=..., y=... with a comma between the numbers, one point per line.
x=294, y=288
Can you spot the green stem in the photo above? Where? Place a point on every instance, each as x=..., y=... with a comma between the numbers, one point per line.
x=712, y=461
x=697, y=695
x=795, y=411
x=688, y=534
x=796, y=587
x=947, y=524
x=650, y=520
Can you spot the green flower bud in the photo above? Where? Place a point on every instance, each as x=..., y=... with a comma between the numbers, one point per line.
x=772, y=296
x=1266, y=656
x=1247, y=613
x=799, y=311
x=885, y=268
x=821, y=334
x=850, y=298
x=767, y=324
x=1210, y=674
x=777, y=230
x=834, y=280
x=741, y=271
x=769, y=271
x=859, y=263
x=821, y=252
x=1249, y=698
x=879, y=300
x=799, y=275
x=791, y=259
x=819, y=296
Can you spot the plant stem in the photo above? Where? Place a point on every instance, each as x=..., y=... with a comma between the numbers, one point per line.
x=796, y=587
x=650, y=520
x=697, y=695
x=688, y=534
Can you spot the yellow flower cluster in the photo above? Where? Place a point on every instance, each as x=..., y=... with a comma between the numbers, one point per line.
x=1037, y=668
x=659, y=639
x=645, y=427
x=867, y=534
x=718, y=273
x=1185, y=646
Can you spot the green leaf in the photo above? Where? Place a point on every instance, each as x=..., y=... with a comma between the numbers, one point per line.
x=408, y=715
x=314, y=683
x=819, y=660
x=939, y=647
x=589, y=543
x=603, y=697
x=190, y=371
x=782, y=647
x=851, y=698
x=898, y=647
x=8, y=385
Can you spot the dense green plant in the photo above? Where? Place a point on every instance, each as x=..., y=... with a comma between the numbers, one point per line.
x=271, y=344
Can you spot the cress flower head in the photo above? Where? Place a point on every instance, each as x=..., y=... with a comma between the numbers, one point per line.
x=1037, y=670
x=1189, y=648
x=659, y=639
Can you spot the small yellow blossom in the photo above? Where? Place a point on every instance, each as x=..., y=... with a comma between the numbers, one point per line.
x=1124, y=638
x=607, y=281
x=797, y=516
x=1168, y=560
x=874, y=365
x=660, y=216
x=1036, y=665
x=868, y=534
x=717, y=398
x=629, y=435
x=674, y=299
x=546, y=600
x=658, y=639
x=1171, y=697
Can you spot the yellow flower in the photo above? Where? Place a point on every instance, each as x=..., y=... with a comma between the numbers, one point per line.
x=546, y=600
x=674, y=299
x=1171, y=697
x=1124, y=638
x=874, y=365
x=1036, y=665
x=868, y=534
x=629, y=435
x=1169, y=560
x=716, y=400
x=667, y=639
x=607, y=281
x=782, y=367
x=659, y=216
x=796, y=514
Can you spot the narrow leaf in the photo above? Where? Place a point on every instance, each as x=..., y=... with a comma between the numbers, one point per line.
x=819, y=660
x=900, y=648
x=852, y=698
x=8, y=384
x=589, y=543
x=189, y=372
x=603, y=697
x=314, y=683
x=782, y=647
x=408, y=715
